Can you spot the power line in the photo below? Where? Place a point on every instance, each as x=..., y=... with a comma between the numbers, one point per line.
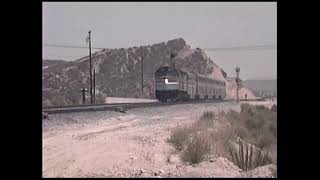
x=70, y=46
x=241, y=48
x=66, y=56
x=235, y=48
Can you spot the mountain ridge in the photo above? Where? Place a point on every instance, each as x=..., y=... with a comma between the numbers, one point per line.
x=118, y=71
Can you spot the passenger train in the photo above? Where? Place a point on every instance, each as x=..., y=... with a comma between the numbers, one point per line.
x=173, y=84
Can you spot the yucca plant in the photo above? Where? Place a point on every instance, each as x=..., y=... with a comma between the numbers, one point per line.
x=246, y=157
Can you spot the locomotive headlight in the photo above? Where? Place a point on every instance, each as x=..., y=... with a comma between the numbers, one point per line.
x=166, y=81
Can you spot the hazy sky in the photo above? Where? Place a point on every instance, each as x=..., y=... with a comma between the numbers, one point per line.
x=200, y=24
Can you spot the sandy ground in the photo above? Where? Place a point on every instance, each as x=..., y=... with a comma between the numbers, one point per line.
x=132, y=144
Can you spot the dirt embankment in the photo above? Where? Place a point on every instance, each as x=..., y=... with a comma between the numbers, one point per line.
x=134, y=144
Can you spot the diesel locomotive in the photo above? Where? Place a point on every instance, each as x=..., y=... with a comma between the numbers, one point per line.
x=173, y=84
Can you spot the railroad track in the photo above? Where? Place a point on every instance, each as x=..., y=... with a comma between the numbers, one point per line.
x=122, y=107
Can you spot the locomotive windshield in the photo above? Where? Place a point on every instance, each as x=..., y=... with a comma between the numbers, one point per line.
x=167, y=71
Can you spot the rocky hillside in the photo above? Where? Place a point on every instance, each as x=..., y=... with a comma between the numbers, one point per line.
x=118, y=71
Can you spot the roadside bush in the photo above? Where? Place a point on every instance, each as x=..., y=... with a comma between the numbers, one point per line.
x=274, y=108
x=274, y=173
x=207, y=116
x=241, y=132
x=58, y=100
x=179, y=136
x=206, y=120
x=265, y=141
x=256, y=124
x=196, y=149
x=245, y=107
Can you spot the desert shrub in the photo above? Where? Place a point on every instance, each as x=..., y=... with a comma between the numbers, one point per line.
x=245, y=107
x=194, y=140
x=261, y=108
x=256, y=125
x=241, y=132
x=207, y=116
x=233, y=117
x=100, y=99
x=265, y=141
x=274, y=173
x=273, y=129
x=46, y=103
x=197, y=147
x=253, y=123
x=247, y=157
x=222, y=113
x=206, y=120
x=273, y=153
x=179, y=136
x=59, y=100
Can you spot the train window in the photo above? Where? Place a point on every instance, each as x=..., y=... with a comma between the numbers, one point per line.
x=172, y=79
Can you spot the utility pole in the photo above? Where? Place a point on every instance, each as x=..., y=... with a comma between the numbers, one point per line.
x=89, y=39
x=237, y=80
x=141, y=70
x=94, y=85
x=207, y=96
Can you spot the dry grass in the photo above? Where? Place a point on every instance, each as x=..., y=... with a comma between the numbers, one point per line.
x=100, y=99
x=255, y=125
x=207, y=116
x=178, y=137
x=194, y=141
x=196, y=149
x=274, y=173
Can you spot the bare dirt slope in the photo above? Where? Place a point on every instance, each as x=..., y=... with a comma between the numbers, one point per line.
x=232, y=91
x=110, y=144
